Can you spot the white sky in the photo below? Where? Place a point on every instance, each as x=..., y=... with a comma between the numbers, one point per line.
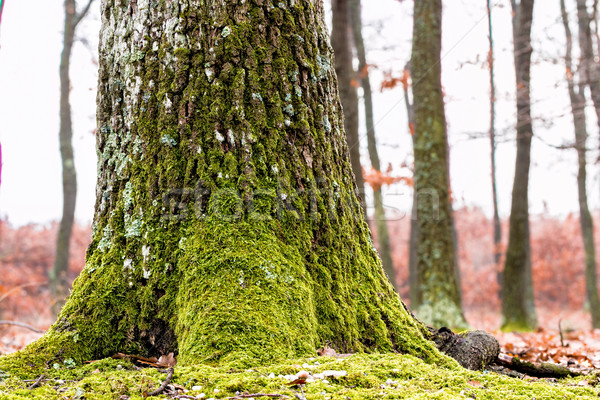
x=30, y=40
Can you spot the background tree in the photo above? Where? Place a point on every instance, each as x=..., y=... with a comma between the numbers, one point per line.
x=577, y=98
x=492, y=135
x=439, y=300
x=383, y=237
x=59, y=282
x=414, y=224
x=589, y=67
x=227, y=226
x=518, y=310
x=342, y=47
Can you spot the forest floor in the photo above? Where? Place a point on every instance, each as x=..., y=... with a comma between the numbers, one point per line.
x=574, y=345
x=565, y=337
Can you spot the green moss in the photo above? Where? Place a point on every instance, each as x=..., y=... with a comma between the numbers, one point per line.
x=374, y=376
x=253, y=249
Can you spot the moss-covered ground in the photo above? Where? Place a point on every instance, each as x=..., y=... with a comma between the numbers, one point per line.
x=374, y=376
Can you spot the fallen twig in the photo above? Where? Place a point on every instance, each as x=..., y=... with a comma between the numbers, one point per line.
x=542, y=370
x=246, y=396
x=162, y=387
x=562, y=343
x=22, y=325
x=36, y=383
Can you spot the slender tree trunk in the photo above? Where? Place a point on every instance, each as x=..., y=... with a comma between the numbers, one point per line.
x=413, y=280
x=59, y=282
x=518, y=310
x=496, y=218
x=385, y=251
x=577, y=97
x=436, y=262
x=227, y=226
x=342, y=47
x=589, y=67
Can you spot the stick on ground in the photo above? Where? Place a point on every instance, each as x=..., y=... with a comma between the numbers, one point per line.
x=36, y=383
x=162, y=387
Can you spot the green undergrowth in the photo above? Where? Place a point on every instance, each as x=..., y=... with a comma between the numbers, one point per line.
x=374, y=376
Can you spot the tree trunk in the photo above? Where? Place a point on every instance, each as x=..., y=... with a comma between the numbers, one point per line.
x=589, y=68
x=385, y=250
x=342, y=47
x=414, y=224
x=227, y=226
x=437, y=275
x=518, y=310
x=59, y=281
x=496, y=218
x=577, y=97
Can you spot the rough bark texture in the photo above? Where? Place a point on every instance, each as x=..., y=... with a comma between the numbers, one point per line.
x=227, y=227
x=439, y=303
x=518, y=310
x=492, y=135
x=577, y=98
x=342, y=46
x=383, y=237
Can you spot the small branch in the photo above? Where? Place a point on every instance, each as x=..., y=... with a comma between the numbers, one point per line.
x=81, y=14
x=246, y=396
x=36, y=383
x=562, y=343
x=22, y=325
x=162, y=387
x=542, y=370
x=300, y=396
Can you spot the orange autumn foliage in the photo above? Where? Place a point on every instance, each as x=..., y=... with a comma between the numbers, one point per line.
x=26, y=256
x=376, y=179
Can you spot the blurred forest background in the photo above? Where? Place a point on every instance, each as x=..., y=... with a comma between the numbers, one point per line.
x=476, y=116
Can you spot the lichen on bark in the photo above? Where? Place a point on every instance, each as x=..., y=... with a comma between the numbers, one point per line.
x=227, y=226
x=437, y=298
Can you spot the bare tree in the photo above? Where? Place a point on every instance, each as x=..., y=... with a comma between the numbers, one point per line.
x=492, y=134
x=577, y=98
x=383, y=238
x=59, y=282
x=439, y=300
x=518, y=310
x=342, y=47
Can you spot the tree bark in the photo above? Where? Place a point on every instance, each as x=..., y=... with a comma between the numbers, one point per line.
x=589, y=68
x=414, y=224
x=227, y=226
x=440, y=302
x=383, y=237
x=577, y=98
x=342, y=47
x=518, y=310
